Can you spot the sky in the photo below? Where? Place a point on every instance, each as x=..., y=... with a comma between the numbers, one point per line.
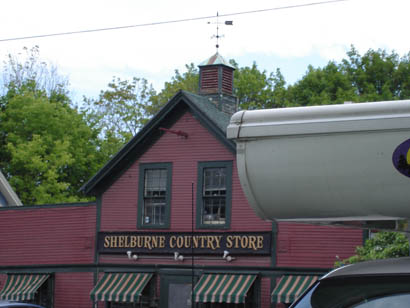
x=272, y=36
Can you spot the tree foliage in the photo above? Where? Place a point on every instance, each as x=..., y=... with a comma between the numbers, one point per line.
x=321, y=86
x=257, y=89
x=120, y=111
x=382, y=246
x=47, y=150
x=374, y=76
x=27, y=68
x=188, y=81
x=254, y=89
x=127, y=105
x=378, y=75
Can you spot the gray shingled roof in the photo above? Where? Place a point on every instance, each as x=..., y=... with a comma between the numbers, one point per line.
x=221, y=119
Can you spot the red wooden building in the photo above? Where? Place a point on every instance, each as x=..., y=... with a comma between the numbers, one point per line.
x=171, y=226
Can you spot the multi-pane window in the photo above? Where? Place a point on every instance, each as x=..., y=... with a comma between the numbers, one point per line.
x=214, y=194
x=154, y=198
x=155, y=191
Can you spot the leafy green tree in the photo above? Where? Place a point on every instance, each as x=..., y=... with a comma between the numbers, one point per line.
x=253, y=88
x=121, y=110
x=280, y=97
x=47, y=150
x=50, y=150
x=321, y=86
x=26, y=69
x=375, y=76
x=382, y=246
x=127, y=105
x=188, y=81
x=378, y=75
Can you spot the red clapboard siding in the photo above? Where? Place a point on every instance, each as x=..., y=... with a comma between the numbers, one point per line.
x=3, y=278
x=303, y=245
x=184, y=154
x=265, y=293
x=50, y=235
x=73, y=290
x=297, y=245
x=264, y=261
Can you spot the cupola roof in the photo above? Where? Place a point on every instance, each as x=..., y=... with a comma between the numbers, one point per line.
x=216, y=59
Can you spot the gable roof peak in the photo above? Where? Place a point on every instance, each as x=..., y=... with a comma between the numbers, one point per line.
x=203, y=109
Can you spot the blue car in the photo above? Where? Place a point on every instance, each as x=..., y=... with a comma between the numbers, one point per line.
x=7, y=304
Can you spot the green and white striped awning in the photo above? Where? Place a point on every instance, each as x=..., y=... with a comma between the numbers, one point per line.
x=223, y=288
x=120, y=287
x=22, y=287
x=290, y=287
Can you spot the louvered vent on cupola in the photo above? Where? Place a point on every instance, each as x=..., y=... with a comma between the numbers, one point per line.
x=216, y=82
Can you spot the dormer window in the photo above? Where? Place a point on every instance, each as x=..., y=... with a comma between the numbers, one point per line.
x=154, y=199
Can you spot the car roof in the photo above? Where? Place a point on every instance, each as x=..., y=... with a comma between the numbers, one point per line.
x=17, y=304
x=394, y=266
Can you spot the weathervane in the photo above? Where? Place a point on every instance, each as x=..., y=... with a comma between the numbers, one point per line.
x=217, y=36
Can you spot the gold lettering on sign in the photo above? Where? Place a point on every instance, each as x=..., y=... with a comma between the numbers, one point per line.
x=202, y=238
x=187, y=241
x=107, y=242
x=133, y=241
x=212, y=242
x=154, y=241
x=172, y=240
x=252, y=242
x=244, y=242
x=162, y=242
x=113, y=242
x=121, y=241
x=229, y=241
x=218, y=241
x=236, y=237
x=195, y=241
x=260, y=242
x=180, y=242
x=147, y=242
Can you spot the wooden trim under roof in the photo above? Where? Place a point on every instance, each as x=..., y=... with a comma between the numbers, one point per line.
x=8, y=192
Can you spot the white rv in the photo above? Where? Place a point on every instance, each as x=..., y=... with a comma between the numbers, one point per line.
x=341, y=163
x=326, y=163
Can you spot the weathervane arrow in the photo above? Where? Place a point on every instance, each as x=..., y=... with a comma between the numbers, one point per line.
x=217, y=36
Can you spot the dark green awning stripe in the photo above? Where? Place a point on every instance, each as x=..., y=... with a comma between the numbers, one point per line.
x=22, y=287
x=120, y=287
x=223, y=288
x=290, y=287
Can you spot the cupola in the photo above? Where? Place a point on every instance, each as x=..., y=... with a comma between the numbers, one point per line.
x=216, y=82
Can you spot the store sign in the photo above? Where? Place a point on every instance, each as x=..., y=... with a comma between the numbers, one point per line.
x=184, y=242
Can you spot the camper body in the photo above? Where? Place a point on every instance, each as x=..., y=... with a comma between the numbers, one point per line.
x=326, y=163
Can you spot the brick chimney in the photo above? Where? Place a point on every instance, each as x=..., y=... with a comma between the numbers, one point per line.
x=216, y=82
